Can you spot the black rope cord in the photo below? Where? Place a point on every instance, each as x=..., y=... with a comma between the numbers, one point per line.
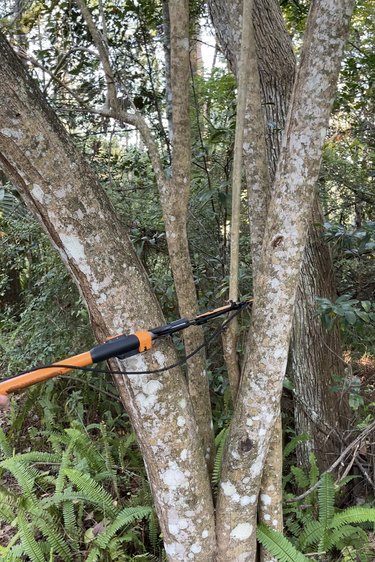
x=213, y=336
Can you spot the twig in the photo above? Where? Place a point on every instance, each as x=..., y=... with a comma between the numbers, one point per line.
x=36, y=63
x=101, y=45
x=351, y=445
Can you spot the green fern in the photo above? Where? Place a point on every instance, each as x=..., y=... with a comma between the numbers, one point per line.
x=5, y=445
x=37, y=456
x=70, y=524
x=314, y=470
x=93, y=555
x=336, y=537
x=92, y=490
x=300, y=477
x=127, y=516
x=31, y=547
x=279, y=546
x=56, y=541
x=220, y=441
x=353, y=515
x=109, y=462
x=25, y=476
x=332, y=532
x=311, y=534
x=153, y=530
x=326, y=497
x=293, y=444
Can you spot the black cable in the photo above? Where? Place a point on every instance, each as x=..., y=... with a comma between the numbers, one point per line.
x=151, y=372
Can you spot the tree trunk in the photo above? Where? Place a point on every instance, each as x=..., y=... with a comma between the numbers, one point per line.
x=290, y=212
x=58, y=186
x=276, y=63
x=318, y=410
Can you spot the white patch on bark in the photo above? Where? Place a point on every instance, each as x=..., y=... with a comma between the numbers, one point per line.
x=160, y=358
x=75, y=250
x=174, y=477
x=181, y=421
x=60, y=193
x=11, y=133
x=242, y=532
x=265, y=499
x=228, y=489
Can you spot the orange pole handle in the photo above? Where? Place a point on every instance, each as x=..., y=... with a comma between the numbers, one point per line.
x=39, y=375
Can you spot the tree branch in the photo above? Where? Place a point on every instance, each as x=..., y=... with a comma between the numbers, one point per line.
x=101, y=45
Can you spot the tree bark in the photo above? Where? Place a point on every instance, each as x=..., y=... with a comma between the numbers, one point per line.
x=174, y=196
x=174, y=193
x=276, y=63
x=60, y=189
x=285, y=237
x=319, y=412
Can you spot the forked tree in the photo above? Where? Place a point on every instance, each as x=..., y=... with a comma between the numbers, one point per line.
x=58, y=186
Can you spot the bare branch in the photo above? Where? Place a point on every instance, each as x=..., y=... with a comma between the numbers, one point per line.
x=100, y=44
x=22, y=53
x=345, y=452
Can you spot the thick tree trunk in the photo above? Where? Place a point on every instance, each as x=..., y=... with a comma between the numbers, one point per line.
x=290, y=212
x=174, y=192
x=57, y=185
x=276, y=63
x=318, y=410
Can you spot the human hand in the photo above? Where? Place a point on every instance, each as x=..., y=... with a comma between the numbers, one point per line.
x=4, y=402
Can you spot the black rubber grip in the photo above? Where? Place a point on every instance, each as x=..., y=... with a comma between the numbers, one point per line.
x=120, y=346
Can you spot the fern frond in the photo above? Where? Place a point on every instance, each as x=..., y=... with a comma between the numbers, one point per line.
x=93, y=555
x=8, y=506
x=153, y=530
x=311, y=534
x=353, y=515
x=127, y=516
x=37, y=456
x=109, y=462
x=29, y=543
x=70, y=524
x=5, y=445
x=326, y=495
x=66, y=496
x=85, y=447
x=345, y=532
x=55, y=539
x=293, y=444
x=14, y=554
x=300, y=477
x=279, y=546
x=314, y=470
x=220, y=440
x=92, y=490
x=25, y=476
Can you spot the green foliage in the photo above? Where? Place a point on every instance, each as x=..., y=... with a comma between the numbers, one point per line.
x=279, y=546
x=220, y=441
x=318, y=527
x=69, y=502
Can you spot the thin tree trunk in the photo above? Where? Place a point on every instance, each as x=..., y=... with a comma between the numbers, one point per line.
x=174, y=197
x=319, y=412
x=174, y=193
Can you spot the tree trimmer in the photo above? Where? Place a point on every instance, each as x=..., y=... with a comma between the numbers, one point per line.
x=121, y=346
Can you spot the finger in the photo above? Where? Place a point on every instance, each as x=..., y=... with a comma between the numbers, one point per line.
x=4, y=401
